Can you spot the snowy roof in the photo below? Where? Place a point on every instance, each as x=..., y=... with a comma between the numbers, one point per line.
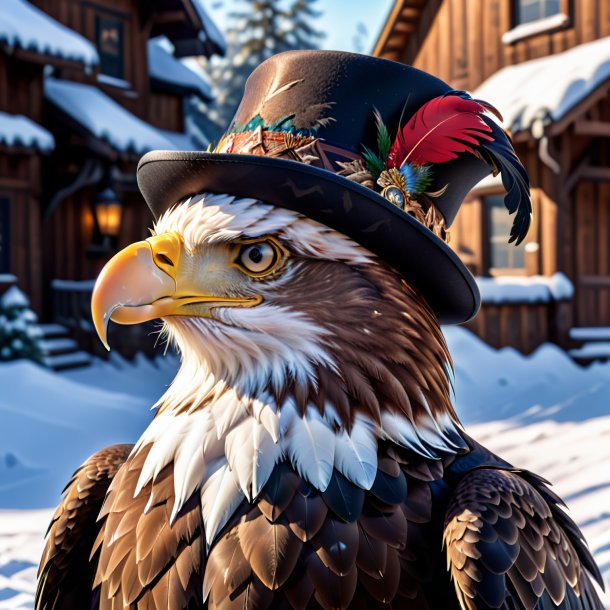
x=549, y=87
x=211, y=36
x=107, y=120
x=17, y=130
x=164, y=68
x=518, y=289
x=25, y=26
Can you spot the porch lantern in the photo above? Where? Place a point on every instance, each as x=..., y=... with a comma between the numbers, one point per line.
x=108, y=211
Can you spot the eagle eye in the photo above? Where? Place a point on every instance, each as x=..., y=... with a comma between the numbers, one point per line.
x=259, y=258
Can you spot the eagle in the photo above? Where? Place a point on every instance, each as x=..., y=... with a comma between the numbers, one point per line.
x=307, y=453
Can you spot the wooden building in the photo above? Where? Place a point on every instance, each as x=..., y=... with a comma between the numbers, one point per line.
x=545, y=64
x=86, y=88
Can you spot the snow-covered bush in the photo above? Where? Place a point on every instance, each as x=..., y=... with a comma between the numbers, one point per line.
x=19, y=334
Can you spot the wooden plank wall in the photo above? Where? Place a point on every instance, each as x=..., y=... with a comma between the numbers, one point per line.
x=464, y=45
x=591, y=209
x=21, y=176
x=523, y=326
x=166, y=111
x=18, y=172
x=69, y=234
x=79, y=15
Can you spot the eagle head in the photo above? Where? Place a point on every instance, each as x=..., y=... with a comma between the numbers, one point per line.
x=285, y=322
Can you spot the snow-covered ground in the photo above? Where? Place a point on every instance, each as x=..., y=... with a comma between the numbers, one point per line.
x=541, y=412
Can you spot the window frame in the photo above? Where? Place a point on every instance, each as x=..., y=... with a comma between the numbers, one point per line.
x=561, y=20
x=91, y=10
x=105, y=21
x=487, y=246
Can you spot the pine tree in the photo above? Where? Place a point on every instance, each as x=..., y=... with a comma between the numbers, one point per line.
x=260, y=29
x=19, y=333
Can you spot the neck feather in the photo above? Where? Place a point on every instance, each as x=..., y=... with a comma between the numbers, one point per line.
x=384, y=378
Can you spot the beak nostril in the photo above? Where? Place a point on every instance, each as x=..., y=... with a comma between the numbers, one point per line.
x=164, y=259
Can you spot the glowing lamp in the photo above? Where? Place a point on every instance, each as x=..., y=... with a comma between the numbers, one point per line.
x=108, y=211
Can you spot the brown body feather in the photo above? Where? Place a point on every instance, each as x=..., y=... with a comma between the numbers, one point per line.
x=290, y=549
x=65, y=574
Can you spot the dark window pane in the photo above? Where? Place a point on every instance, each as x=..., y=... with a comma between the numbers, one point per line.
x=531, y=10
x=502, y=254
x=551, y=7
x=499, y=256
x=109, y=38
x=4, y=236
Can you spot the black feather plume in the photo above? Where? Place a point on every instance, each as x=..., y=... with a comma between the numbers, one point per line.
x=514, y=178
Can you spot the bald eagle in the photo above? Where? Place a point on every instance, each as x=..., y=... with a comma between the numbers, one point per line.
x=307, y=454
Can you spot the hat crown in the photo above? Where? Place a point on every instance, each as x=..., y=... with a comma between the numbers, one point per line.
x=332, y=95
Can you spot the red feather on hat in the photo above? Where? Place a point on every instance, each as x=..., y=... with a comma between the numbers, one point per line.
x=440, y=130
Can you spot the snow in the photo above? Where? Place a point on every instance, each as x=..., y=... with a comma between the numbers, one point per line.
x=547, y=88
x=528, y=289
x=27, y=27
x=531, y=28
x=112, y=81
x=211, y=31
x=74, y=413
x=592, y=351
x=541, y=412
x=73, y=285
x=101, y=116
x=18, y=130
x=164, y=67
x=584, y=333
x=13, y=297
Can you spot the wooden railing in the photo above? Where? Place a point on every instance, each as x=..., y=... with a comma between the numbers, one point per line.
x=72, y=309
x=524, y=326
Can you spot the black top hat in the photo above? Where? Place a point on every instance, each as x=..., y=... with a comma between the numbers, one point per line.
x=310, y=135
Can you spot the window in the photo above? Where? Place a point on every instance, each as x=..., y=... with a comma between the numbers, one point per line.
x=109, y=38
x=502, y=255
x=533, y=10
x=4, y=236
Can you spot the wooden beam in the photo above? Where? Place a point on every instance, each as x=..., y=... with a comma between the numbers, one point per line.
x=593, y=98
x=386, y=32
x=594, y=281
x=165, y=17
x=585, y=172
x=596, y=174
x=584, y=127
x=396, y=44
x=405, y=27
x=410, y=13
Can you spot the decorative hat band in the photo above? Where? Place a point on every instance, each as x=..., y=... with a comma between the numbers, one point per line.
x=318, y=153
x=403, y=169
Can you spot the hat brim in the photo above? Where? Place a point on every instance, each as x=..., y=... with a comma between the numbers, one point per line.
x=425, y=261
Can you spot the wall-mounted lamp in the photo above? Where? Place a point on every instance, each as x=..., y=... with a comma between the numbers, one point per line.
x=108, y=211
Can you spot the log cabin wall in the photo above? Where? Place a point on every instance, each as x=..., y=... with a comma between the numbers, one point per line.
x=20, y=176
x=166, y=111
x=463, y=45
x=19, y=179
x=69, y=235
x=80, y=16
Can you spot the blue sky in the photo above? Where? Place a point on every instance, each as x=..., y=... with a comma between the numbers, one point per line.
x=340, y=20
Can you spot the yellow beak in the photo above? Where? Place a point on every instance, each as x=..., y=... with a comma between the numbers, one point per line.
x=140, y=283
